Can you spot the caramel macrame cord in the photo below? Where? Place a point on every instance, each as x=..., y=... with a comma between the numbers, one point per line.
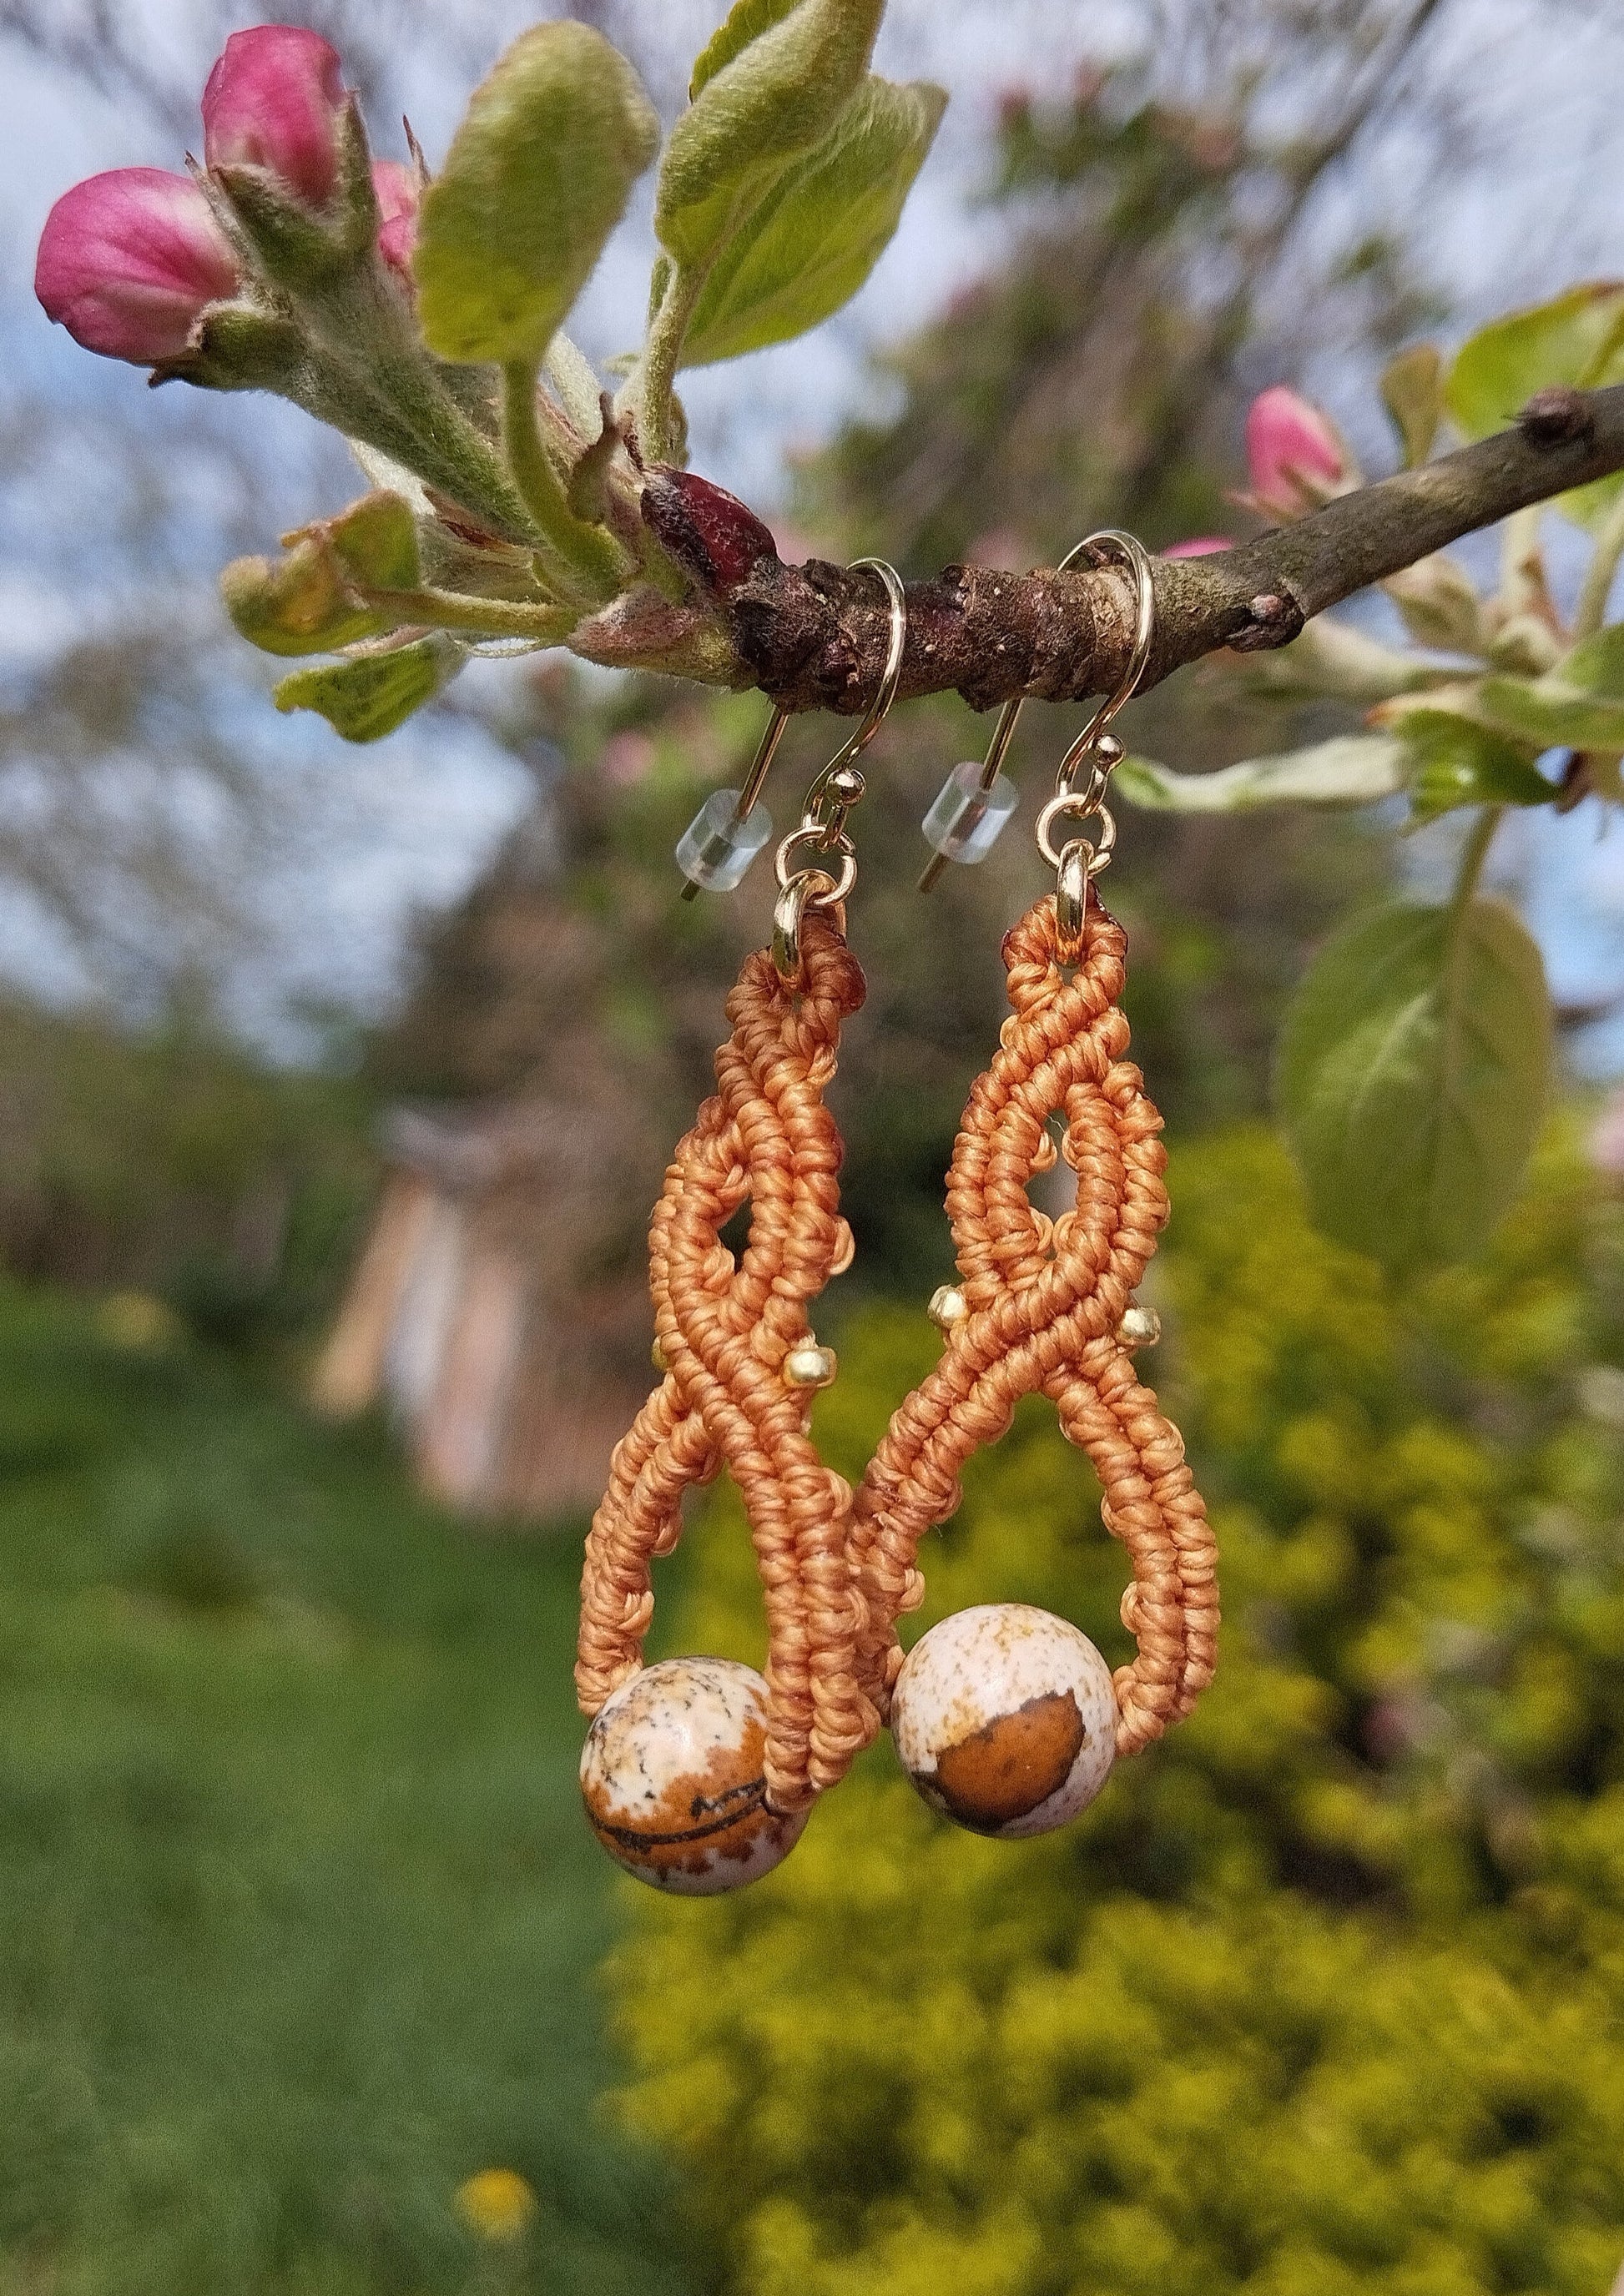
x=1045, y=1300
x=724, y=1330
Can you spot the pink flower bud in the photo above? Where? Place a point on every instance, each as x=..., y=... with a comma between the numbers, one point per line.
x=1199, y=546
x=277, y=99
x=1294, y=455
x=396, y=190
x=129, y=261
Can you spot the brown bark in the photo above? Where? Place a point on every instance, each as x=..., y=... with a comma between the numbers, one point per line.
x=814, y=636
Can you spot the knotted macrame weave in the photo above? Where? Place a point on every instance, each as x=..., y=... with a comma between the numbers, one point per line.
x=1045, y=1301
x=724, y=1329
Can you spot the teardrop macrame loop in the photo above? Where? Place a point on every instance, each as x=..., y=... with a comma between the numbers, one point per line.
x=1046, y=1299
x=723, y=1329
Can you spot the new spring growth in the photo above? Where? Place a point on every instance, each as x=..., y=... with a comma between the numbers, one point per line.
x=288, y=261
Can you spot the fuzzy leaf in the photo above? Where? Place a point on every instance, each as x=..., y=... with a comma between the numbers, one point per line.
x=1352, y=769
x=1577, y=338
x=776, y=96
x=369, y=695
x=536, y=177
x=1451, y=761
x=1412, y=1073
x=822, y=227
x=375, y=540
x=1413, y=393
x=298, y=605
x=745, y=21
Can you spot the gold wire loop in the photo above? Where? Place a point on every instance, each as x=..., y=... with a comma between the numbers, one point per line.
x=807, y=888
x=890, y=676
x=822, y=826
x=1100, y=846
x=823, y=848
x=1109, y=540
x=1073, y=878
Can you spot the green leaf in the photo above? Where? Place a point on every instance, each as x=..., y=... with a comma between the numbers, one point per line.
x=1577, y=338
x=1594, y=667
x=1333, y=660
x=1551, y=719
x=1531, y=710
x=1414, y=1069
x=1413, y=393
x=369, y=695
x=375, y=541
x=746, y=20
x=1353, y=769
x=821, y=229
x=1452, y=761
x=536, y=177
x=777, y=96
x=1578, y=704
x=298, y=605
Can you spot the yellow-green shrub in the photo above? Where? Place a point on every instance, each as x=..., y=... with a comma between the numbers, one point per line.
x=1327, y=1992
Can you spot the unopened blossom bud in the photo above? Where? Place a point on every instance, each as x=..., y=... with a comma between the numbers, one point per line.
x=129, y=261
x=1294, y=455
x=1198, y=545
x=277, y=99
x=396, y=192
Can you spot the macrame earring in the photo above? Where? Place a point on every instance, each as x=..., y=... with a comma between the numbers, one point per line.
x=698, y=1773
x=1005, y=1716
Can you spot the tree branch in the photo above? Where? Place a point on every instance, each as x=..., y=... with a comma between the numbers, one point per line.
x=814, y=636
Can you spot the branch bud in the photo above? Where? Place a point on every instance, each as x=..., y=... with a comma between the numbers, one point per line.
x=716, y=538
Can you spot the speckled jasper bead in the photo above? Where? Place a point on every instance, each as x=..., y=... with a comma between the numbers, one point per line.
x=1005, y=1719
x=671, y=1774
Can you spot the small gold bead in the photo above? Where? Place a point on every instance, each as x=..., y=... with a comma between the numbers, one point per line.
x=845, y=1247
x=1140, y=1327
x=948, y=1306
x=657, y=1357
x=810, y=1365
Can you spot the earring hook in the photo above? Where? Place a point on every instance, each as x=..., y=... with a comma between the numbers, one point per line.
x=1127, y=546
x=1079, y=860
x=822, y=826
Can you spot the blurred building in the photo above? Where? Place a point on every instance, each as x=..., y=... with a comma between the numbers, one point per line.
x=488, y=1314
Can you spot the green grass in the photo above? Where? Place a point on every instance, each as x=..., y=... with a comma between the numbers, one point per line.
x=298, y=1916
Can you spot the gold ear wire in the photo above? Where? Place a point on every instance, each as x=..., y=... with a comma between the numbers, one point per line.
x=957, y=823
x=727, y=833
x=821, y=827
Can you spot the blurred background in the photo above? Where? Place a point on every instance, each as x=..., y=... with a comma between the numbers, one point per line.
x=335, y=1084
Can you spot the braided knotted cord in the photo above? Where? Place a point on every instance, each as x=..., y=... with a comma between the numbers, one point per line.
x=723, y=1331
x=1045, y=1301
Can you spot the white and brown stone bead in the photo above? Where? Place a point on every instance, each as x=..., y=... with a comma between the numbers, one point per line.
x=671, y=1774
x=1005, y=1719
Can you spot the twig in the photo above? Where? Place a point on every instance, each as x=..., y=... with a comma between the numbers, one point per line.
x=814, y=636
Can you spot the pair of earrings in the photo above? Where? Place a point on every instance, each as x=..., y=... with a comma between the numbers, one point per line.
x=699, y=1773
